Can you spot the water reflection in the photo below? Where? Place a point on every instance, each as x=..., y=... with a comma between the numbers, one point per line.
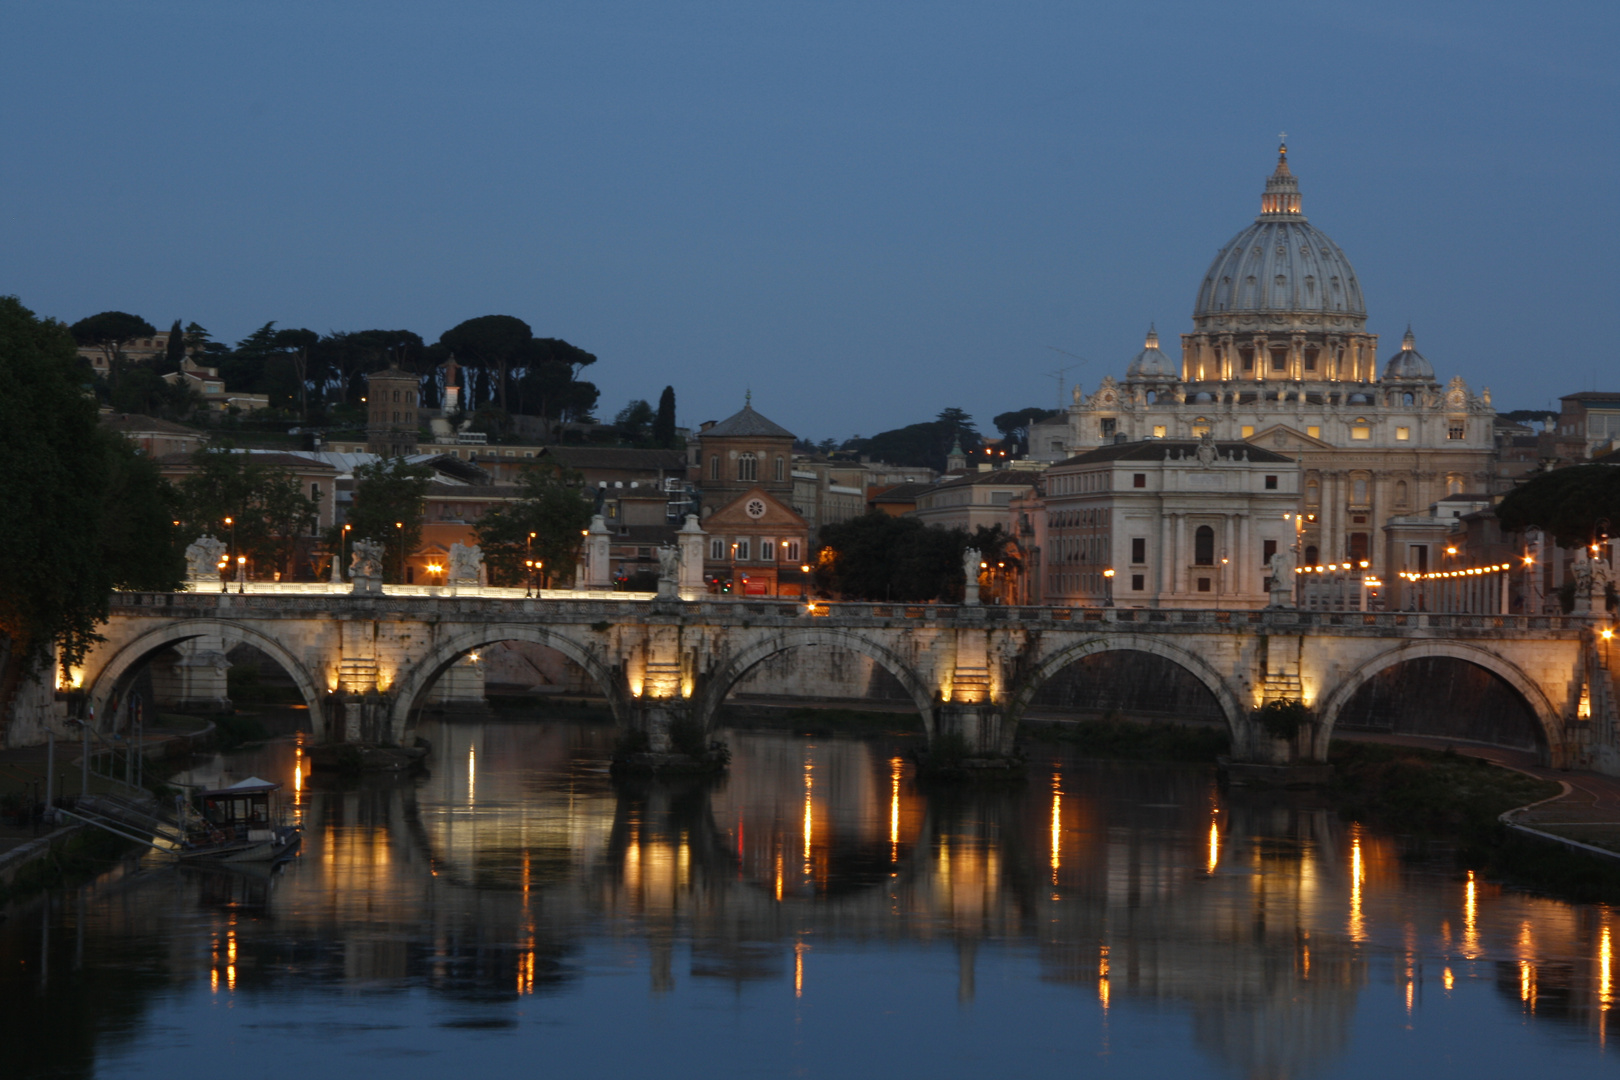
x=517, y=868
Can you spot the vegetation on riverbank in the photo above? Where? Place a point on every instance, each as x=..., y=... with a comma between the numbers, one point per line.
x=1434, y=796
x=1128, y=740
x=75, y=859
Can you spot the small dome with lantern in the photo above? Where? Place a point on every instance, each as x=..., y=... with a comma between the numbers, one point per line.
x=1151, y=362
x=1409, y=364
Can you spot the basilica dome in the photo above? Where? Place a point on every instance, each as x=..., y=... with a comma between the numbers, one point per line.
x=1281, y=270
x=1409, y=364
x=1151, y=362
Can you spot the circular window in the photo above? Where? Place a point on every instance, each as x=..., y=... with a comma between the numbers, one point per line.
x=755, y=508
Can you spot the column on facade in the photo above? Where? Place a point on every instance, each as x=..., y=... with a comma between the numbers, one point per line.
x=1165, y=576
x=1229, y=553
x=1181, y=554
x=1243, y=557
x=1227, y=363
x=1262, y=357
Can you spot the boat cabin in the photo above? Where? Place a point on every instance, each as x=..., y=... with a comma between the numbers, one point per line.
x=242, y=811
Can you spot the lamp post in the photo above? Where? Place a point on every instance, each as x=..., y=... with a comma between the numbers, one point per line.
x=400, y=525
x=224, y=583
x=241, y=574
x=1108, y=587
x=528, y=561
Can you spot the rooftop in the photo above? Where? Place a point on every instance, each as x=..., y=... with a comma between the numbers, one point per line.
x=1173, y=449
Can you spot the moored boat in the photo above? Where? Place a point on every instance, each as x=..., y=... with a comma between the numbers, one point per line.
x=243, y=823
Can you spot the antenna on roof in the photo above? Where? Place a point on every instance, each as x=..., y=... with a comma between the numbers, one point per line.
x=1060, y=372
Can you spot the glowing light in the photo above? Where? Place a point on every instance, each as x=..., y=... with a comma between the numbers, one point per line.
x=779, y=875
x=894, y=809
x=1470, y=941
x=1214, y=846
x=213, y=980
x=1102, y=977
x=1448, y=980
x=1357, y=926
x=472, y=774
x=799, y=948
x=1605, y=978
x=1057, y=825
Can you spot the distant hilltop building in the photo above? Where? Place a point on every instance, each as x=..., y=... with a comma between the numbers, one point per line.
x=1279, y=357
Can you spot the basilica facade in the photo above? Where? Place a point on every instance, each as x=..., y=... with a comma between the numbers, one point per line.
x=1279, y=357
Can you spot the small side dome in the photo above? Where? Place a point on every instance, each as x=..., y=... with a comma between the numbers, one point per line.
x=1151, y=363
x=1409, y=364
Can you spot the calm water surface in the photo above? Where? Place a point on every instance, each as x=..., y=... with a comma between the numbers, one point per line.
x=516, y=912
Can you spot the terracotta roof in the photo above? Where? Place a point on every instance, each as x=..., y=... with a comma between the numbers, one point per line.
x=994, y=476
x=615, y=457
x=900, y=493
x=137, y=422
x=1157, y=449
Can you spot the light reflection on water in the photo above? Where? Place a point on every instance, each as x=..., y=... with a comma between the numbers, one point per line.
x=814, y=912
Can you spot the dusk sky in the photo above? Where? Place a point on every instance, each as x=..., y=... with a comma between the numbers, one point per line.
x=864, y=212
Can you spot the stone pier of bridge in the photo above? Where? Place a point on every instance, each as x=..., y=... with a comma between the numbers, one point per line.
x=367, y=665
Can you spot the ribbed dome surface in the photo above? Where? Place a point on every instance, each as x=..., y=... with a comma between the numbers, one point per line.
x=1152, y=363
x=1281, y=265
x=1409, y=363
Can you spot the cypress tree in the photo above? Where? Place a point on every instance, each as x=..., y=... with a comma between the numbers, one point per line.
x=663, y=428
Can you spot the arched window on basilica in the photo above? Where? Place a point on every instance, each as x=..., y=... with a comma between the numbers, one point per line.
x=1204, y=546
x=747, y=467
x=714, y=466
x=1200, y=427
x=781, y=468
x=1454, y=484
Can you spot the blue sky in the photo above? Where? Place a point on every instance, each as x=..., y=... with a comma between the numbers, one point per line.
x=865, y=213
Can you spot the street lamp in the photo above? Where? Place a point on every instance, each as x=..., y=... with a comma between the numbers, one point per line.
x=343, y=549
x=400, y=525
x=528, y=560
x=241, y=573
x=1108, y=584
x=224, y=585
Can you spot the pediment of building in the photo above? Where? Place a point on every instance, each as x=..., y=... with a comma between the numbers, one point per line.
x=1281, y=439
x=755, y=508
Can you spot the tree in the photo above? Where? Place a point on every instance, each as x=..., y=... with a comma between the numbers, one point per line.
x=554, y=507
x=1572, y=504
x=1015, y=425
x=925, y=444
x=296, y=344
x=551, y=386
x=110, y=331
x=84, y=516
x=635, y=421
x=663, y=429
x=138, y=388
x=266, y=503
x=492, y=342
x=175, y=351
x=389, y=502
x=879, y=557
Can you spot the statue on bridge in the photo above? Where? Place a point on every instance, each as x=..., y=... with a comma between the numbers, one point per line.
x=465, y=562
x=1282, y=579
x=669, y=572
x=1592, y=576
x=970, y=572
x=203, y=556
x=365, y=567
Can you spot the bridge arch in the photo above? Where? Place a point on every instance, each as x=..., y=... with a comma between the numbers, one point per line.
x=718, y=682
x=132, y=654
x=411, y=684
x=1229, y=698
x=1332, y=704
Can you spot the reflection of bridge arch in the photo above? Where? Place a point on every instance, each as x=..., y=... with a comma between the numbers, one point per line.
x=719, y=682
x=1227, y=697
x=1547, y=716
x=137, y=652
x=420, y=676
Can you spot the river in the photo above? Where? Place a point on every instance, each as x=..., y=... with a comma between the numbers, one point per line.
x=815, y=914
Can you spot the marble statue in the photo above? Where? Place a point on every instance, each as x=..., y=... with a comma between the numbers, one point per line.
x=669, y=572
x=203, y=557
x=465, y=560
x=970, y=570
x=365, y=566
x=1282, y=578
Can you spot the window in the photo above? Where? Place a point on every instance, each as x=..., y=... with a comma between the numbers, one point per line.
x=1359, y=489
x=781, y=468
x=767, y=549
x=1454, y=484
x=1279, y=360
x=1360, y=430
x=1158, y=431
x=792, y=554
x=1139, y=480
x=1200, y=427
x=1203, y=584
x=396, y=397
x=314, y=493
x=747, y=467
x=1310, y=555
x=1109, y=426
x=1271, y=483
x=1314, y=432
x=1204, y=546
x=1417, y=558
x=1400, y=493
x=1312, y=494
x=1248, y=359
x=1402, y=434
x=1456, y=429
x=717, y=549
x=714, y=466
x=1248, y=431
x=1138, y=582
x=743, y=548
x=1358, y=547
x=1138, y=550
x=1268, y=550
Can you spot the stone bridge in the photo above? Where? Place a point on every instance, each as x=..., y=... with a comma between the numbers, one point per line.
x=365, y=664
